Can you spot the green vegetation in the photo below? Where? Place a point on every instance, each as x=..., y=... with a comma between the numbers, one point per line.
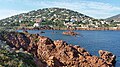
x=113, y=25
x=49, y=16
x=13, y=59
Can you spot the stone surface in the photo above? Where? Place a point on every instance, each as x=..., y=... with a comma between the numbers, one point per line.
x=108, y=56
x=70, y=33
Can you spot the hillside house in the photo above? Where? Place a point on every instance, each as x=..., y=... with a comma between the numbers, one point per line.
x=118, y=25
x=37, y=24
x=83, y=26
x=69, y=24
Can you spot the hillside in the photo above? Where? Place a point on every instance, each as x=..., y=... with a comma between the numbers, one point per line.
x=116, y=18
x=51, y=15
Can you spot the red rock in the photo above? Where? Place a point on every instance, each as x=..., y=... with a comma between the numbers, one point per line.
x=59, y=43
x=44, y=40
x=70, y=33
x=58, y=53
x=108, y=56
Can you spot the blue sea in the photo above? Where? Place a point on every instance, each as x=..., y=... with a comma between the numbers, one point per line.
x=92, y=41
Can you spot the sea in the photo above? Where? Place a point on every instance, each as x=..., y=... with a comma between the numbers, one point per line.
x=92, y=41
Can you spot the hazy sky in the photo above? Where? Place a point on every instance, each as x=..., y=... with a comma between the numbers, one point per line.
x=93, y=8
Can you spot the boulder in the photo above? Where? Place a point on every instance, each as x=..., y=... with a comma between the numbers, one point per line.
x=59, y=43
x=44, y=40
x=108, y=56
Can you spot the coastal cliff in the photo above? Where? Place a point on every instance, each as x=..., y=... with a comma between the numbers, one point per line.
x=56, y=53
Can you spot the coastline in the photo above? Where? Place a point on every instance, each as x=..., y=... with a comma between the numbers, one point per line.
x=77, y=28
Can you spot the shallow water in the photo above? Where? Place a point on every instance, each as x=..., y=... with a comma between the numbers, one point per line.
x=93, y=41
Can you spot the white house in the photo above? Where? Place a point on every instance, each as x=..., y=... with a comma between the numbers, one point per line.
x=38, y=21
x=69, y=24
x=36, y=25
x=118, y=25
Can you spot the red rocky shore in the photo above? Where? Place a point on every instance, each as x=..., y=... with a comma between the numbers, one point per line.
x=99, y=28
x=56, y=53
x=77, y=28
x=70, y=33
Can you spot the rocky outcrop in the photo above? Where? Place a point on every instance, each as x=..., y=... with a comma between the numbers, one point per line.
x=57, y=53
x=108, y=56
x=70, y=33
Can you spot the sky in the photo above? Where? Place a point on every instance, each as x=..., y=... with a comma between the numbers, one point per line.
x=99, y=9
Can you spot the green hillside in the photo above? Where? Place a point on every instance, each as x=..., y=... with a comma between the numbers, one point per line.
x=48, y=16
